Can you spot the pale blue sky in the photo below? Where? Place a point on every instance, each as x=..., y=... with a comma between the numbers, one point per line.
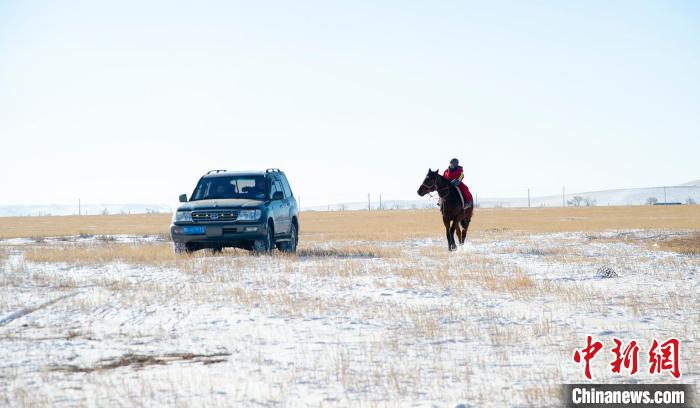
x=133, y=101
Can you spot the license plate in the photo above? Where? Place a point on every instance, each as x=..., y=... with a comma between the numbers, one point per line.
x=214, y=230
x=193, y=229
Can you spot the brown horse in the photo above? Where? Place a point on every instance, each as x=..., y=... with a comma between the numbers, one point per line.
x=453, y=214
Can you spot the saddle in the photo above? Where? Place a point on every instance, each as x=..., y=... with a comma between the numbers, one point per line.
x=465, y=205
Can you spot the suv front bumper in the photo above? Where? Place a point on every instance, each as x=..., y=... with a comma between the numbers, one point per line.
x=217, y=234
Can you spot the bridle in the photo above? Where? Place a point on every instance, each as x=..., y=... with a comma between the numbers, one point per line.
x=435, y=186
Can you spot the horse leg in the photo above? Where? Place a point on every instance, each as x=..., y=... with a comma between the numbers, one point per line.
x=465, y=223
x=458, y=230
x=453, y=245
x=448, y=233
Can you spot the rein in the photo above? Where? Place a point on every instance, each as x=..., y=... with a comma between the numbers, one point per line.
x=435, y=186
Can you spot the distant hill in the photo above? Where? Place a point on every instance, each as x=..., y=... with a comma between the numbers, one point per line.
x=691, y=183
x=386, y=205
x=629, y=196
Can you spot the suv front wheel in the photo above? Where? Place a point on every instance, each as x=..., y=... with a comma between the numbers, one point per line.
x=179, y=247
x=182, y=248
x=291, y=245
x=265, y=245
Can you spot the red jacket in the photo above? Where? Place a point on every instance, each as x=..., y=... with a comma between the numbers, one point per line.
x=458, y=174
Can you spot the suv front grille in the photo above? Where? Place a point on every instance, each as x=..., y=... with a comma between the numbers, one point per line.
x=211, y=215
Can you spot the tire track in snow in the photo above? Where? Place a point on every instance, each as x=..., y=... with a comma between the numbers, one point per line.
x=23, y=312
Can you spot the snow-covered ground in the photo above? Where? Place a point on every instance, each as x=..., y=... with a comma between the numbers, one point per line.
x=343, y=323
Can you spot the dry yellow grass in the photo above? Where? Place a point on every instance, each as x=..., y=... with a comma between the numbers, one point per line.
x=518, y=284
x=398, y=225
x=101, y=254
x=37, y=227
x=345, y=250
x=105, y=251
x=689, y=245
x=385, y=225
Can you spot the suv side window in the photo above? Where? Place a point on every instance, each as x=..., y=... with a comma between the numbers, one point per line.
x=275, y=186
x=285, y=186
x=278, y=186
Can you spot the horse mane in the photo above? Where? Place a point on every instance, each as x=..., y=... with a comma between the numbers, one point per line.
x=440, y=175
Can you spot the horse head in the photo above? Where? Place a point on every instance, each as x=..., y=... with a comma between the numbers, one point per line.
x=430, y=183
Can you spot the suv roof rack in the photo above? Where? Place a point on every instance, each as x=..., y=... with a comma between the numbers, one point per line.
x=216, y=171
x=273, y=170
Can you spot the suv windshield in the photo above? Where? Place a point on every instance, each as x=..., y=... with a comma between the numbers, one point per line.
x=251, y=187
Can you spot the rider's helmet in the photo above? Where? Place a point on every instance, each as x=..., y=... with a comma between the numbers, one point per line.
x=454, y=163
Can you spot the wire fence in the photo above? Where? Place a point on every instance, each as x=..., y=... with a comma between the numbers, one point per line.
x=661, y=195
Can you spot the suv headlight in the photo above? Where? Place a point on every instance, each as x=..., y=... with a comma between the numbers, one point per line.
x=249, y=215
x=182, y=216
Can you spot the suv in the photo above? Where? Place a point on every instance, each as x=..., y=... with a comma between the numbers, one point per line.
x=250, y=210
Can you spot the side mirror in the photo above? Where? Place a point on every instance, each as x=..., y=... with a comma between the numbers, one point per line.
x=183, y=198
x=278, y=195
